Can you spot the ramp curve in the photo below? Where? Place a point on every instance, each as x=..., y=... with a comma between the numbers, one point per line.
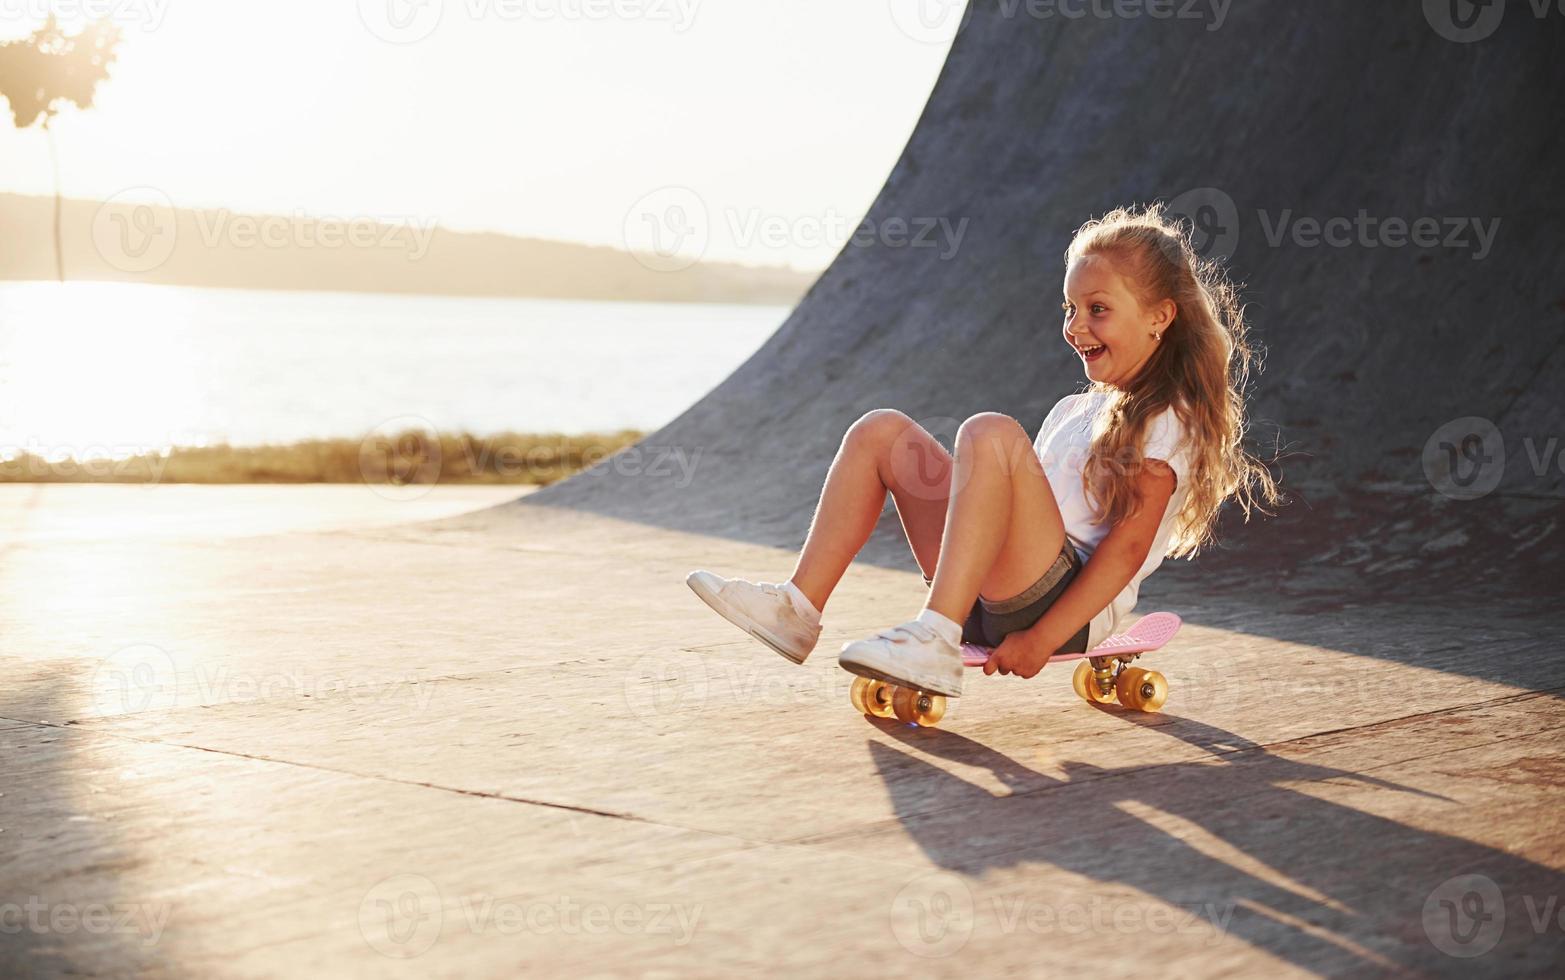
x=1382, y=356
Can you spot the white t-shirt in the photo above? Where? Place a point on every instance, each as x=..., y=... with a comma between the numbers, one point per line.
x=1063, y=444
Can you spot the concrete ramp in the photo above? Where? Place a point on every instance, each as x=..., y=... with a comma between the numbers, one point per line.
x=1309, y=141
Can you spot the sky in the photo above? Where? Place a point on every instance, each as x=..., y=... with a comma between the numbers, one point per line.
x=767, y=125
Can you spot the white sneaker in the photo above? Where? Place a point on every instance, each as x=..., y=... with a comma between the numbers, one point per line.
x=762, y=609
x=910, y=655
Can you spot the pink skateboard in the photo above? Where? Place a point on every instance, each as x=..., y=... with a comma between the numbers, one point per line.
x=1147, y=634
x=1104, y=675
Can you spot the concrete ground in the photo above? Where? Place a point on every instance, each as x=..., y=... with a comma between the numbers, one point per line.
x=249, y=733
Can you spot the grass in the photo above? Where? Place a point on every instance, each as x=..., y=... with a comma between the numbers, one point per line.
x=406, y=457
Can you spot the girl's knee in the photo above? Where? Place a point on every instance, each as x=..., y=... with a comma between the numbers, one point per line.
x=879, y=427
x=999, y=439
x=989, y=425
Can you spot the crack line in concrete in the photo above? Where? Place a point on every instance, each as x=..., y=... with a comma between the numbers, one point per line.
x=797, y=841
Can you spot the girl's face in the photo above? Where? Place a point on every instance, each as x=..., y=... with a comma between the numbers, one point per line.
x=1105, y=322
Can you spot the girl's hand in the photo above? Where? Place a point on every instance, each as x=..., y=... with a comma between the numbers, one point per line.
x=1017, y=654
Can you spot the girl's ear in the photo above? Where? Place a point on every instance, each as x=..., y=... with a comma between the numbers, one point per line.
x=1163, y=314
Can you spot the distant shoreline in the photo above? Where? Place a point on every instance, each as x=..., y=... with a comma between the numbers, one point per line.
x=4, y=281
x=215, y=248
x=399, y=459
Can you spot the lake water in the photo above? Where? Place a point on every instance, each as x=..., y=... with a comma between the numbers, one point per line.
x=95, y=368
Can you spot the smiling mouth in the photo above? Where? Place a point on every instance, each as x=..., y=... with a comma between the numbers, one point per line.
x=1091, y=353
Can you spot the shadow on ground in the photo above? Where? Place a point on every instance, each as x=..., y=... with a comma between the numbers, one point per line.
x=1261, y=853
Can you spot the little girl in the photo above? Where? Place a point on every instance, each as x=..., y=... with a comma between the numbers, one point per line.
x=1061, y=530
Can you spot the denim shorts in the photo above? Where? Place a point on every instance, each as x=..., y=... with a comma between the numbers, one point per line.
x=991, y=622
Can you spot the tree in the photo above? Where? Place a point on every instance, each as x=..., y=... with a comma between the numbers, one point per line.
x=39, y=73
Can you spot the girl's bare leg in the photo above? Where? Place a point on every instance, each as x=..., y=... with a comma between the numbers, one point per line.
x=998, y=531
x=1002, y=527
x=884, y=451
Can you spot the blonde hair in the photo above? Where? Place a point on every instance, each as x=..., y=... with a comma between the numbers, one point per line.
x=1200, y=367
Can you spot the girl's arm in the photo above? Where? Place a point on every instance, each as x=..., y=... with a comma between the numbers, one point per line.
x=1122, y=551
